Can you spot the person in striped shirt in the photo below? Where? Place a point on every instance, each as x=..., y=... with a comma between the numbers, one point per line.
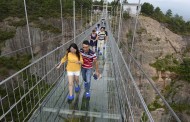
x=89, y=57
x=102, y=38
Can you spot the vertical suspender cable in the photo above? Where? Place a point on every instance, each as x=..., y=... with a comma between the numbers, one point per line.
x=29, y=37
x=91, y=16
x=121, y=24
x=134, y=32
x=86, y=18
x=119, y=30
x=74, y=20
x=107, y=10
x=61, y=16
x=116, y=21
x=81, y=18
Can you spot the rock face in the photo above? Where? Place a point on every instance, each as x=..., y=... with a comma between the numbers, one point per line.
x=45, y=36
x=182, y=92
x=154, y=41
x=20, y=40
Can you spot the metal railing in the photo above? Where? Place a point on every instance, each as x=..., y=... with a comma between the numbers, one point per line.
x=137, y=89
x=132, y=104
x=22, y=93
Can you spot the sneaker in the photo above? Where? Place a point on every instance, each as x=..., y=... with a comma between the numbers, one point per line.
x=85, y=84
x=87, y=94
x=77, y=89
x=70, y=97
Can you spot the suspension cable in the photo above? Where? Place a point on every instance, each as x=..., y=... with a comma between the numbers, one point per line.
x=134, y=32
x=28, y=28
x=74, y=20
x=120, y=20
x=61, y=6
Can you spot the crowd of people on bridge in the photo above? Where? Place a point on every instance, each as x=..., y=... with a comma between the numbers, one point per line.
x=83, y=60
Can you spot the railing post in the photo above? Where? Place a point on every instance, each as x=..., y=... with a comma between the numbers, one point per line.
x=119, y=30
x=81, y=18
x=61, y=16
x=74, y=20
x=28, y=28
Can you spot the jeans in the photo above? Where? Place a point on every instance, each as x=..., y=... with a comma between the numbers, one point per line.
x=86, y=75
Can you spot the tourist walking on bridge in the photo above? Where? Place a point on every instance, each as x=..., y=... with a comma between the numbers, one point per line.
x=101, y=38
x=74, y=60
x=89, y=57
x=93, y=41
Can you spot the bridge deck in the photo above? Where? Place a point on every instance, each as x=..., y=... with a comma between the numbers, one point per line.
x=101, y=107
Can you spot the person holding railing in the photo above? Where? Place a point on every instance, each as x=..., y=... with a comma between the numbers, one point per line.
x=74, y=61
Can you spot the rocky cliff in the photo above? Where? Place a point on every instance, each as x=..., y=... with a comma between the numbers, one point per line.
x=154, y=41
x=42, y=30
x=45, y=36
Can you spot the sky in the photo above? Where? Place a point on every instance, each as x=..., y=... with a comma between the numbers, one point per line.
x=180, y=7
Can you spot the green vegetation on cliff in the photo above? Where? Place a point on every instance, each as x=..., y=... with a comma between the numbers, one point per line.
x=175, y=22
x=182, y=70
x=41, y=8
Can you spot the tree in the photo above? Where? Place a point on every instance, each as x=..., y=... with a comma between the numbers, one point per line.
x=147, y=9
x=157, y=10
x=4, y=9
x=177, y=24
x=158, y=15
x=188, y=26
x=169, y=13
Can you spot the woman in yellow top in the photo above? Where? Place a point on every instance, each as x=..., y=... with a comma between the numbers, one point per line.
x=74, y=61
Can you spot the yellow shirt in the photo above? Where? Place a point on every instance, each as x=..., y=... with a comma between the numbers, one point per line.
x=71, y=62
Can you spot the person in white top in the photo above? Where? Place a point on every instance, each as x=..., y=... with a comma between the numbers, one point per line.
x=102, y=37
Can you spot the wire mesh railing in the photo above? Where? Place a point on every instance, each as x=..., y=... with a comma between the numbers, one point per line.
x=132, y=74
x=132, y=104
x=23, y=92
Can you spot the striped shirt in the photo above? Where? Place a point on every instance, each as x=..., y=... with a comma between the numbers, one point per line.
x=88, y=58
x=101, y=35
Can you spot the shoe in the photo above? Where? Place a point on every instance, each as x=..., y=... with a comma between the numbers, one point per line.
x=77, y=89
x=85, y=84
x=70, y=97
x=87, y=94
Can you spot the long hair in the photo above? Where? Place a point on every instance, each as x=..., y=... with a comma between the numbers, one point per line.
x=73, y=45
